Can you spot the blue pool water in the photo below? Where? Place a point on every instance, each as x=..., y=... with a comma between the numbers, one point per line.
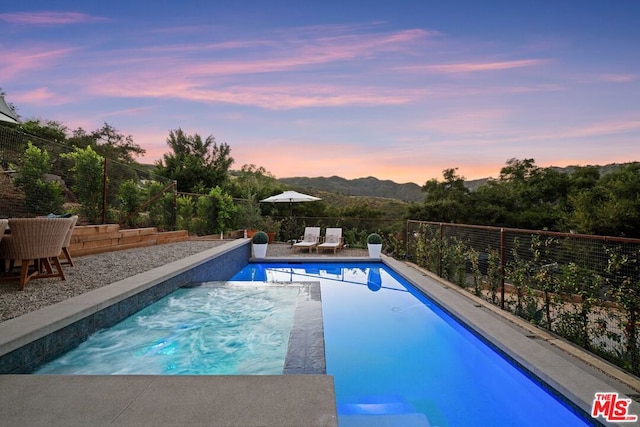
x=398, y=359
x=210, y=329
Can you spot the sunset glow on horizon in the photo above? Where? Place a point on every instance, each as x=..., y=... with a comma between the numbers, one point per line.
x=397, y=90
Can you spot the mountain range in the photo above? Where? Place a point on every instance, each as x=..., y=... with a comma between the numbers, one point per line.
x=365, y=187
x=409, y=192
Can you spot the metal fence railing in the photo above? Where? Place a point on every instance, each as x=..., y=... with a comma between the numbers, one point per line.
x=584, y=288
x=39, y=176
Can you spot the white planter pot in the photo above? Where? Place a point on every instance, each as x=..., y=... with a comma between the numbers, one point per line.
x=260, y=251
x=374, y=250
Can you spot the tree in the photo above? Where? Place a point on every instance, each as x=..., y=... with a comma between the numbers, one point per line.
x=107, y=142
x=87, y=168
x=223, y=209
x=611, y=206
x=452, y=188
x=255, y=180
x=129, y=196
x=49, y=130
x=194, y=163
x=41, y=196
x=445, y=201
x=518, y=170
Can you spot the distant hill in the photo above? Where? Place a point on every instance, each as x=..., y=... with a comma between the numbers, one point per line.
x=410, y=192
x=366, y=187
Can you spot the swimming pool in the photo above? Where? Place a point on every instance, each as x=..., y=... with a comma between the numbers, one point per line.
x=397, y=358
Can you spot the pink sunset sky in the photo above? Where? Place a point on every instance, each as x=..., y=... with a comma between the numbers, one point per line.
x=397, y=90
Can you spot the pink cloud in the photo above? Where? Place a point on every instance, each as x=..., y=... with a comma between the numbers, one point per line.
x=619, y=78
x=469, y=67
x=603, y=128
x=16, y=62
x=269, y=97
x=48, y=18
x=293, y=53
x=39, y=96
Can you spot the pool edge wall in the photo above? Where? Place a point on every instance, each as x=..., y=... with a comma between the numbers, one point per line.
x=34, y=338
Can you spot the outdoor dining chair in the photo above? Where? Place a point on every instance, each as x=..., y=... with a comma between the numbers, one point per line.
x=3, y=226
x=35, y=243
x=67, y=242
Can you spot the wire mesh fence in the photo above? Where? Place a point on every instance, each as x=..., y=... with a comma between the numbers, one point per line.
x=581, y=287
x=40, y=176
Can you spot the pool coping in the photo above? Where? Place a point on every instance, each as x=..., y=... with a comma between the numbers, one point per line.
x=63, y=400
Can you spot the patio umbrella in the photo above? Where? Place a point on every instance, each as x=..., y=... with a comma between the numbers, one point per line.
x=6, y=113
x=290, y=197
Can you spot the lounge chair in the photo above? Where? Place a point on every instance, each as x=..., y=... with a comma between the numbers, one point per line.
x=309, y=240
x=332, y=240
x=36, y=241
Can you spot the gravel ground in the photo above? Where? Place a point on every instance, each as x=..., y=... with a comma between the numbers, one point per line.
x=93, y=271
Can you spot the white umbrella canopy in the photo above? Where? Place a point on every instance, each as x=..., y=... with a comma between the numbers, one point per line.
x=290, y=197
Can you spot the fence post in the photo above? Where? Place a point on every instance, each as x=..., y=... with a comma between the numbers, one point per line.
x=175, y=204
x=502, y=268
x=104, y=192
x=406, y=240
x=440, y=250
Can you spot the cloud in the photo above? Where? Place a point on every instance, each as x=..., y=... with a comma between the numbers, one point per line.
x=268, y=97
x=19, y=61
x=619, y=78
x=49, y=18
x=602, y=128
x=283, y=52
x=40, y=96
x=471, y=67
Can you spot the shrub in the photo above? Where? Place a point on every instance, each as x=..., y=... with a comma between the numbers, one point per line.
x=374, y=239
x=260, y=238
x=88, y=170
x=41, y=196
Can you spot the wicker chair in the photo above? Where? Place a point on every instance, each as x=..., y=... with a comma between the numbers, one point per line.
x=67, y=241
x=3, y=226
x=35, y=239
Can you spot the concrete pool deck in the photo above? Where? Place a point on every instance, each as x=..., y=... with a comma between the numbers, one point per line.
x=287, y=400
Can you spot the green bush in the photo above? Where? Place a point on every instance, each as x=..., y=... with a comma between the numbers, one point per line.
x=88, y=171
x=129, y=196
x=41, y=197
x=260, y=238
x=374, y=239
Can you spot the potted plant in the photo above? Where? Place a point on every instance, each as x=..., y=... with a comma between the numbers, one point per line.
x=249, y=217
x=259, y=242
x=374, y=244
x=272, y=227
